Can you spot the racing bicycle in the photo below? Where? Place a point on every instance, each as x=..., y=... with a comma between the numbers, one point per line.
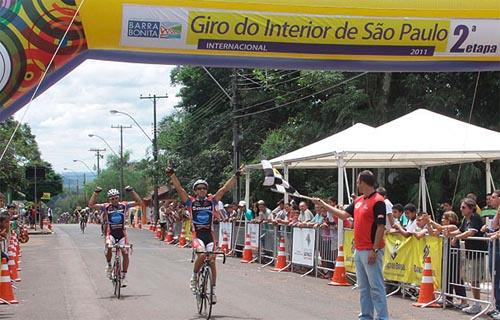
x=204, y=286
x=116, y=271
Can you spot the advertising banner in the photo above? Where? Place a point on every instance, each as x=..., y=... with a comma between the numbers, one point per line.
x=403, y=257
x=303, y=246
x=253, y=231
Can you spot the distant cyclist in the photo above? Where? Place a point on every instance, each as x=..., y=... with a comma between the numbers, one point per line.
x=83, y=217
x=114, y=213
x=202, y=211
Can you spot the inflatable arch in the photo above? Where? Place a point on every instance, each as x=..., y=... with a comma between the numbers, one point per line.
x=368, y=35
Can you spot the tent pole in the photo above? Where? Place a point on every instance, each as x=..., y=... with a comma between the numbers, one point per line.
x=340, y=197
x=430, y=201
x=488, y=176
x=422, y=191
x=353, y=182
x=286, y=176
x=347, y=186
x=247, y=196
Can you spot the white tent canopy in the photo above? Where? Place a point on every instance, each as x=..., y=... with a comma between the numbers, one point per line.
x=419, y=139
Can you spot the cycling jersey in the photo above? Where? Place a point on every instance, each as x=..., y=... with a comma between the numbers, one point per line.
x=83, y=217
x=116, y=219
x=202, y=216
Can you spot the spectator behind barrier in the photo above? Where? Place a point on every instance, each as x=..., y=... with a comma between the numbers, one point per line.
x=471, y=227
x=450, y=223
x=281, y=217
x=4, y=230
x=398, y=215
x=295, y=217
x=388, y=208
x=495, y=203
x=305, y=214
x=264, y=213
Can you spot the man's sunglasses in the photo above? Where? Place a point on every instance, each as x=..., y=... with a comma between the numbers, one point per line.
x=114, y=198
x=200, y=188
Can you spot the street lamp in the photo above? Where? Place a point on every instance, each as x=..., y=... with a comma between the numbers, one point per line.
x=132, y=118
x=97, y=136
x=81, y=161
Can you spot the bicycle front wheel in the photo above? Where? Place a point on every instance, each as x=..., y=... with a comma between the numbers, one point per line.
x=207, y=294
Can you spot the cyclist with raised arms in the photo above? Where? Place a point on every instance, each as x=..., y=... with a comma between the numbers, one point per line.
x=114, y=212
x=202, y=211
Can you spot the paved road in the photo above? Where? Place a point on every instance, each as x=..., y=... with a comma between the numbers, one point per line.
x=63, y=278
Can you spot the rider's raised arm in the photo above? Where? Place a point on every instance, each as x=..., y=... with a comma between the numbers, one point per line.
x=229, y=184
x=93, y=199
x=137, y=198
x=177, y=185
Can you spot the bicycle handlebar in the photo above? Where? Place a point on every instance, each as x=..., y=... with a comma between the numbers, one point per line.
x=210, y=253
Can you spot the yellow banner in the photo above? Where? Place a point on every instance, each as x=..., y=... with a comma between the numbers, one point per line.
x=316, y=29
x=403, y=257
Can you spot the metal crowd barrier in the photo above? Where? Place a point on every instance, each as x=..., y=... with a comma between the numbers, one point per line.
x=268, y=244
x=326, y=249
x=238, y=238
x=468, y=273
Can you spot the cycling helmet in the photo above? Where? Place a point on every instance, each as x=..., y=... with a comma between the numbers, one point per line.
x=198, y=182
x=113, y=192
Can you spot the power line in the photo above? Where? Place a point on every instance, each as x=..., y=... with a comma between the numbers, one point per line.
x=301, y=98
x=273, y=99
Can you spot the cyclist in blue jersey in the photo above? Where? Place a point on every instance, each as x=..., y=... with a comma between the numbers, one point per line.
x=202, y=211
x=113, y=214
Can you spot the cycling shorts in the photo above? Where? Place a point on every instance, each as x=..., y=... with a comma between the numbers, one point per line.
x=204, y=241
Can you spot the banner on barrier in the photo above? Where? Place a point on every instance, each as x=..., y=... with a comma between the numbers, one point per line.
x=303, y=246
x=253, y=231
x=403, y=257
x=226, y=227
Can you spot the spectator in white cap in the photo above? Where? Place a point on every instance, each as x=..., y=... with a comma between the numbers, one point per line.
x=264, y=214
x=242, y=210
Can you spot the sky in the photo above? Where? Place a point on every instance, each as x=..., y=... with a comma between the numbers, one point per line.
x=62, y=117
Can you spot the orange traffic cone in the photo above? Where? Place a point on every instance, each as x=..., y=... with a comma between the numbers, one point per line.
x=13, y=270
x=158, y=232
x=426, y=293
x=225, y=243
x=140, y=225
x=281, y=259
x=247, y=250
x=151, y=227
x=182, y=239
x=13, y=256
x=6, y=293
x=170, y=236
x=339, y=278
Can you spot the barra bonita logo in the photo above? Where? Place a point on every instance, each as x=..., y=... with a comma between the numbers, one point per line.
x=154, y=29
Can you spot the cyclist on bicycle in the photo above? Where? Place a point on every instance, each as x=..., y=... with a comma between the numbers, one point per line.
x=83, y=217
x=114, y=213
x=202, y=211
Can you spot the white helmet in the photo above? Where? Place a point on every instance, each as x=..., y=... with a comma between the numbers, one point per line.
x=113, y=192
x=200, y=182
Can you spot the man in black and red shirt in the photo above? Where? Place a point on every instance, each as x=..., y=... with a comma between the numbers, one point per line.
x=369, y=213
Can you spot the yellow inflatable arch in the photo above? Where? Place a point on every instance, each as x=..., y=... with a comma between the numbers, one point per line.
x=365, y=35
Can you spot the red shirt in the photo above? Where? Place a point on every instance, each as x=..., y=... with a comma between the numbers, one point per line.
x=368, y=212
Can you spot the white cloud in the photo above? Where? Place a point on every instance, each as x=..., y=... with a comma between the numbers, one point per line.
x=79, y=104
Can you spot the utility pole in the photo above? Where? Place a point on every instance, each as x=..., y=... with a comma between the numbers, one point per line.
x=121, y=127
x=98, y=156
x=236, y=133
x=155, y=154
